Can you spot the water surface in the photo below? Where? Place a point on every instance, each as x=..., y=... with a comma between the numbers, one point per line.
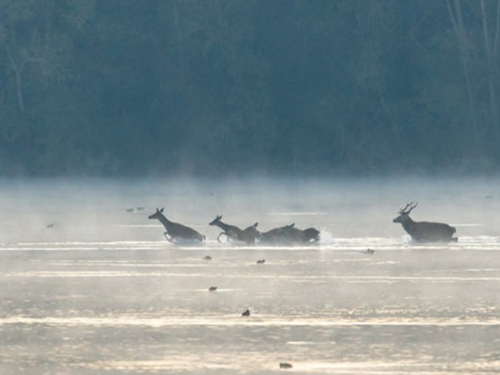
x=88, y=285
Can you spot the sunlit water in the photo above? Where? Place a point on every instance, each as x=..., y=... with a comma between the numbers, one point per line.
x=88, y=285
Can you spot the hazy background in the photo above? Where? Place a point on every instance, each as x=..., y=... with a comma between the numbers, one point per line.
x=231, y=87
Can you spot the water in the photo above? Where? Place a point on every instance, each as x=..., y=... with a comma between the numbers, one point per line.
x=101, y=291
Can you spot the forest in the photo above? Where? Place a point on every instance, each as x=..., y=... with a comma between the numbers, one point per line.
x=233, y=87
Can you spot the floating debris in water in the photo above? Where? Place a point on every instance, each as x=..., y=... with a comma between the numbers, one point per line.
x=261, y=261
x=285, y=365
x=246, y=313
x=370, y=251
x=129, y=210
x=212, y=289
x=208, y=257
x=50, y=225
x=140, y=208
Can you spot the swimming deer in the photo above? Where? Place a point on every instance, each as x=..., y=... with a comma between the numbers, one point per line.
x=234, y=233
x=290, y=234
x=310, y=235
x=276, y=234
x=424, y=231
x=176, y=231
x=252, y=232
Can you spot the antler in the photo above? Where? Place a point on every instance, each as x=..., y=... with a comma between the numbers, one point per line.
x=402, y=210
x=408, y=208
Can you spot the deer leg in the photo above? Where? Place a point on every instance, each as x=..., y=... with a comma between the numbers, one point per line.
x=168, y=239
x=221, y=233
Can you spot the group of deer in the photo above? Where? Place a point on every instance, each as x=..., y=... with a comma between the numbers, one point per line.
x=422, y=231
x=177, y=233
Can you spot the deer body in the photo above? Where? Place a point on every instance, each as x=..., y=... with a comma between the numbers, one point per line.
x=424, y=231
x=251, y=233
x=234, y=233
x=290, y=234
x=281, y=234
x=177, y=231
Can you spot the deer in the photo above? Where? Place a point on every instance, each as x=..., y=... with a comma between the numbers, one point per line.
x=290, y=234
x=175, y=231
x=311, y=235
x=423, y=231
x=234, y=233
x=252, y=232
x=276, y=234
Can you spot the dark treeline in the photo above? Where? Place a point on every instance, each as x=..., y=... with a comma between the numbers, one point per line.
x=209, y=86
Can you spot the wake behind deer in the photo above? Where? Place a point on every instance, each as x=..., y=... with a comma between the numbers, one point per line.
x=424, y=231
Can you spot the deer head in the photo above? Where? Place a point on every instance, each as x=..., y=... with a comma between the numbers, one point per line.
x=311, y=234
x=216, y=220
x=253, y=230
x=404, y=213
x=157, y=214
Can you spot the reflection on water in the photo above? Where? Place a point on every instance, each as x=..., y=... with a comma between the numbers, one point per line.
x=230, y=321
x=145, y=308
x=118, y=299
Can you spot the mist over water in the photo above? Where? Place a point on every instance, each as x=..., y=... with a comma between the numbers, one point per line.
x=89, y=285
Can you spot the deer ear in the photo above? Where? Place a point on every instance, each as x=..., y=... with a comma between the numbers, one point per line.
x=162, y=209
x=255, y=225
x=219, y=217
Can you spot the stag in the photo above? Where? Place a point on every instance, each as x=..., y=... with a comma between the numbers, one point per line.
x=176, y=232
x=424, y=231
x=234, y=233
